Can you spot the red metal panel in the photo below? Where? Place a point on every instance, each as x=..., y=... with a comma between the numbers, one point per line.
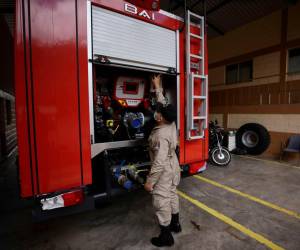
x=207, y=102
x=25, y=171
x=182, y=97
x=54, y=72
x=84, y=95
x=52, y=119
x=197, y=150
x=159, y=18
x=24, y=85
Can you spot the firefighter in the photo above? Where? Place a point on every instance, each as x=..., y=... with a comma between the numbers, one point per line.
x=164, y=175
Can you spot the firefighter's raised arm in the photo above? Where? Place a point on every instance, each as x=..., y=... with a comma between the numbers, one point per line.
x=157, y=88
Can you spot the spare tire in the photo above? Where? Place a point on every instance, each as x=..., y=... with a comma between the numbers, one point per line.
x=253, y=137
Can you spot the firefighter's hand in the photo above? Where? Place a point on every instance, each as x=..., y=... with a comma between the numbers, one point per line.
x=148, y=186
x=156, y=81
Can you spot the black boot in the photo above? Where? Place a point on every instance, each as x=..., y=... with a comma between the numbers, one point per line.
x=165, y=237
x=175, y=225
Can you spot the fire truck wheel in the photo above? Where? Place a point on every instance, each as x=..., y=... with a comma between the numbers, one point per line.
x=253, y=137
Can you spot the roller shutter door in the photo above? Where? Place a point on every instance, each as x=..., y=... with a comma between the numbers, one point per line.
x=129, y=41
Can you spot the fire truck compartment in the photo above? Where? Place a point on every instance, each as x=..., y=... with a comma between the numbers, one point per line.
x=120, y=169
x=124, y=106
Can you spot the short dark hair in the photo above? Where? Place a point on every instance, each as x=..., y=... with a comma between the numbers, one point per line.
x=167, y=111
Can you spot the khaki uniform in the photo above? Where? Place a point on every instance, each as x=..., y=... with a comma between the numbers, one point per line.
x=159, y=96
x=165, y=170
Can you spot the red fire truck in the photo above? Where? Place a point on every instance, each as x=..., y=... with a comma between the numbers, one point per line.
x=84, y=100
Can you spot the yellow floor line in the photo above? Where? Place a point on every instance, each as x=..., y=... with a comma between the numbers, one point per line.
x=231, y=222
x=269, y=161
x=250, y=197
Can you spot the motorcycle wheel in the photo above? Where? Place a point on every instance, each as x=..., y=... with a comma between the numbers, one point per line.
x=222, y=158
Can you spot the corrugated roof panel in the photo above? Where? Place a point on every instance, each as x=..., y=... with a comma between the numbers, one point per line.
x=237, y=13
x=226, y=15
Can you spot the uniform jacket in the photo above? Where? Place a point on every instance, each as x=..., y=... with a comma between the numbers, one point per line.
x=165, y=170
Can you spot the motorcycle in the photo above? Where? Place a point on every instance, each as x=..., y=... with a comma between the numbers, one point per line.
x=218, y=154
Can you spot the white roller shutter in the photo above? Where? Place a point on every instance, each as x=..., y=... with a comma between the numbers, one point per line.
x=128, y=41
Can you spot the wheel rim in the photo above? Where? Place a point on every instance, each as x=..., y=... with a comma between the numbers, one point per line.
x=221, y=157
x=250, y=139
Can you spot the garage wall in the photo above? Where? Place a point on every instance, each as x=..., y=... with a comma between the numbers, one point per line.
x=282, y=123
x=272, y=97
x=246, y=38
x=266, y=70
x=219, y=117
x=293, y=23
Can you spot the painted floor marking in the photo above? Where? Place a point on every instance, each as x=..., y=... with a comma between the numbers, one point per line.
x=270, y=161
x=250, y=197
x=231, y=222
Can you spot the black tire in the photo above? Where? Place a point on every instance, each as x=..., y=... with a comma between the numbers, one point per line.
x=218, y=159
x=253, y=137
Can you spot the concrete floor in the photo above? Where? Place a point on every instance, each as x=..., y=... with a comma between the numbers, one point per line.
x=128, y=223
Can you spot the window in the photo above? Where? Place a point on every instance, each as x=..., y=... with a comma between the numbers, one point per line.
x=232, y=73
x=8, y=112
x=239, y=72
x=294, y=60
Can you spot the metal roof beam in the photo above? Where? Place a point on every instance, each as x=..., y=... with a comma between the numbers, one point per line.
x=212, y=26
x=181, y=3
x=215, y=8
x=178, y=5
x=215, y=28
x=195, y=4
x=292, y=2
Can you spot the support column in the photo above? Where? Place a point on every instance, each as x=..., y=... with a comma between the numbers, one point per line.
x=283, y=56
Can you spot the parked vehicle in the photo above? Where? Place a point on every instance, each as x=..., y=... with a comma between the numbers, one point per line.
x=218, y=154
x=84, y=100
